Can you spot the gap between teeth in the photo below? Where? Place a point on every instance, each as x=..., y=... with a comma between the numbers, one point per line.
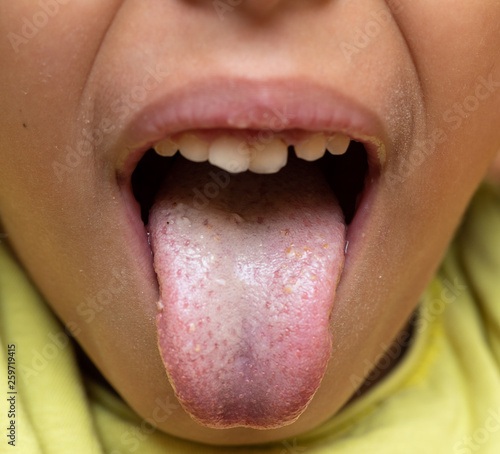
x=235, y=155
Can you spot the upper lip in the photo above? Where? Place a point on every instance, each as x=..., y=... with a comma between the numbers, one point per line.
x=274, y=105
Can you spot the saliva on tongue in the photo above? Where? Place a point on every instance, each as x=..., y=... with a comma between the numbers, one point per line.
x=248, y=266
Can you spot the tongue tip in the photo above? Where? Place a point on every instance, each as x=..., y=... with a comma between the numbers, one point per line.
x=260, y=396
x=246, y=411
x=250, y=420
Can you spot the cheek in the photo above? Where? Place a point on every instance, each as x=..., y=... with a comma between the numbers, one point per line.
x=455, y=51
x=454, y=47
x=45, y=60
x=41, y=85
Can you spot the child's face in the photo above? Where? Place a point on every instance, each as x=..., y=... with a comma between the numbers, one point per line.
x=421, y=77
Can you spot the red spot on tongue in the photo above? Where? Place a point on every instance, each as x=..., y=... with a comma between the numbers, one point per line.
x=247, y=265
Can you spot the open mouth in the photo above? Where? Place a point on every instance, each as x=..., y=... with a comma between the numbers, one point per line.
x=345, y=170
x=249, y=225
x=248, y=264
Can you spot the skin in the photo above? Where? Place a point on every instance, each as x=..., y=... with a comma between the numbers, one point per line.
x=425, y=58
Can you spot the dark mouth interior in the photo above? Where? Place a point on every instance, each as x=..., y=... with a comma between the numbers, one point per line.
x=345, y=174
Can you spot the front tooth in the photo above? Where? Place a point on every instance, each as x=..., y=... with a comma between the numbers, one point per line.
x=312, y=148
x=166, y=147
x=230, y=154
x=193, y=148
x=269, y=158
x=338, y=144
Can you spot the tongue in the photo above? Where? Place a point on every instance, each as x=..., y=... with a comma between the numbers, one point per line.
x=247, y=265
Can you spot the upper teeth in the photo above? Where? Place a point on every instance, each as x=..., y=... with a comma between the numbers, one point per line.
x=193, y=148
x=338, y=144
x=235, y=155
x=269, y=157
x=229, y=153
x=166, y=147
x=312, y=148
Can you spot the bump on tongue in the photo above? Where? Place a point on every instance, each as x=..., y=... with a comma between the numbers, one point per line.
x=247, y=265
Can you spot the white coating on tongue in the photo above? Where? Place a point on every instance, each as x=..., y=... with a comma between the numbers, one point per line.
x=247, y=265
